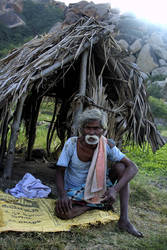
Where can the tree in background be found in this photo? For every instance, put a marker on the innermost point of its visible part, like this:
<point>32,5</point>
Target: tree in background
<point>39,19</point>
<point>158,107</point>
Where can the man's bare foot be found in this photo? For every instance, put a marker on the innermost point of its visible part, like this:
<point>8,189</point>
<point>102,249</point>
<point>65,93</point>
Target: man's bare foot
<point>127,226</point>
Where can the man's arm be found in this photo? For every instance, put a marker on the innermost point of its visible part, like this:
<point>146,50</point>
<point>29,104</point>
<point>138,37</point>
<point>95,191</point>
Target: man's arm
<point>130,171</point>
<point>63,203</point>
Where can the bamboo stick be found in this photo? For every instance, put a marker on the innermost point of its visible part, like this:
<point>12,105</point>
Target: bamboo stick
<point>4,139</point>
<point>32,131</point>
<point>13,138</point>
<point>52,126</point>
<point>82,91</point>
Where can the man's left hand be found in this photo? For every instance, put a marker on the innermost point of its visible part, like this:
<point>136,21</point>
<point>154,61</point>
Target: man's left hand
<point>109,196</point>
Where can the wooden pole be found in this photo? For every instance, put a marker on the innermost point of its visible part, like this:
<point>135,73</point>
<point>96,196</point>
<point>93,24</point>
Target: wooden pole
<point>13,138</point>
<point>4,139</point>
<point>52,126</point>
<point>82,91</point>
<point>32,131</point>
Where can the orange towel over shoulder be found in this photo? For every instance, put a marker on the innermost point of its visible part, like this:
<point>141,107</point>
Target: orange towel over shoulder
<point>96,180</point>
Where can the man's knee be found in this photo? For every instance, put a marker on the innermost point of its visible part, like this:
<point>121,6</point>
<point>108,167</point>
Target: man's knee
<point>117,171</point>
<point>120,168</point>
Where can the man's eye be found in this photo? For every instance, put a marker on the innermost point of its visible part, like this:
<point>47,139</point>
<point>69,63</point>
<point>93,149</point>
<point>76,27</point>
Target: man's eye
<point>95,128</point>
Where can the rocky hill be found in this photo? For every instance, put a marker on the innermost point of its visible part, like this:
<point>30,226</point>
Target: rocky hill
<point>11,10</point>
<point>19,25</point>
<point>146,44</point>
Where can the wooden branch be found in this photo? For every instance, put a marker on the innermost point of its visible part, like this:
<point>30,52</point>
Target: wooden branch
<point>116,68</point>
<point>57,65</point>
<point>32,132</point>
<point>82,91</point>
<point>52,126</point>
<point>4,138</point>
<point>13,138</point>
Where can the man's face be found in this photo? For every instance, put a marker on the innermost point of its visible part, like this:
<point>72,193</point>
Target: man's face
<point>92,132</point>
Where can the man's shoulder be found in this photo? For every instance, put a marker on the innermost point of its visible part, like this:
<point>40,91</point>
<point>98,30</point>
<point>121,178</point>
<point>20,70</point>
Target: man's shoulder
<point>111,143</point>
<point>71,142</point>
<point>72,139</point>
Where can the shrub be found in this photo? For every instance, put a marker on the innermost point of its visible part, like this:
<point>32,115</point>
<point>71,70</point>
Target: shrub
<point>158,107</point>
<point>39,19</point>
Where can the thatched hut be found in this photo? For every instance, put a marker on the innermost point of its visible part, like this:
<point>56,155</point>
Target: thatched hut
<point>80,66</point>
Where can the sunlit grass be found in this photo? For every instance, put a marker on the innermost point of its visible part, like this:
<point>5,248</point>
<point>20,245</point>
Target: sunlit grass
<point>164,133</point>
<point>148,161</point>
<point>163,130</point>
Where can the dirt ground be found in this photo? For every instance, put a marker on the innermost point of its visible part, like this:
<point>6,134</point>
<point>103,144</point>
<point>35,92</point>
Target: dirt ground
<point>39,168</point>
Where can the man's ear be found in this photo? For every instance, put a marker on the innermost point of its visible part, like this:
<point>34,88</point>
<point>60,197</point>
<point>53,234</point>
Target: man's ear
<point>105,132</point>
<point>79,133</point>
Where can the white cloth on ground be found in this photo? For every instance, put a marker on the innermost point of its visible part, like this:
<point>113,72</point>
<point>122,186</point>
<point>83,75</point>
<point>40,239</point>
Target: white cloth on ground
<point>29,187</point>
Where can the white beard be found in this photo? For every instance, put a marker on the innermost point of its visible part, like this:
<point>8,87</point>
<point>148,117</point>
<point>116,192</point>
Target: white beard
<point>92,139</point>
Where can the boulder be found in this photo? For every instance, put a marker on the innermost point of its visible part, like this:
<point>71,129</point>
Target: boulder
<point>131,58</point>
<point>162,62</point>
<point>160,71</point>
<point>161,84</point>
<point>123,44</point>
<point>145,60</point>
<point>60,5</point>
<point>56,28</point>
<point>112,19</point>
<point>161,52</point>
<point>71,17</point>
<point>156,39</point>
<point>100,12</point>
<point>158,45</point>
<point>136,46</point>
<point>11,19</point>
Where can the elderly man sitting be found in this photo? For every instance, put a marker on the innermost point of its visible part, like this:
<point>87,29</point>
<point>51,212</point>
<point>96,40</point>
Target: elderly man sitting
<point>82,178</point>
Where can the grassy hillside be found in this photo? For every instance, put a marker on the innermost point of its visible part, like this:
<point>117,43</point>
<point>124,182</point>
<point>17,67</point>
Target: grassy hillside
<point>38,18</point>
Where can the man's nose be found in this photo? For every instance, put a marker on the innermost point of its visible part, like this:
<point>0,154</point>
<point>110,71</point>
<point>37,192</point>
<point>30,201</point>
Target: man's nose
<point>92,131</point>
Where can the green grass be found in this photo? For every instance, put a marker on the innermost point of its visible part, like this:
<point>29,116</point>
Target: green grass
<point>163,130</point>
<point>45,116</point>
<point>147,161</point>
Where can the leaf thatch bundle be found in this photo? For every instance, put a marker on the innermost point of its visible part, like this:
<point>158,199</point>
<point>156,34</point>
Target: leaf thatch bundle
<point>50,65</point>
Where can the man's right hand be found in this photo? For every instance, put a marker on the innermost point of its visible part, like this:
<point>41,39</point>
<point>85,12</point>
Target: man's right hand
<point>63,205</point>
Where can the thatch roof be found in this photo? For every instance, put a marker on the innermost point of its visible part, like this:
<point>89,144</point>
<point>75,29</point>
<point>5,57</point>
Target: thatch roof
<point>50,65</point>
